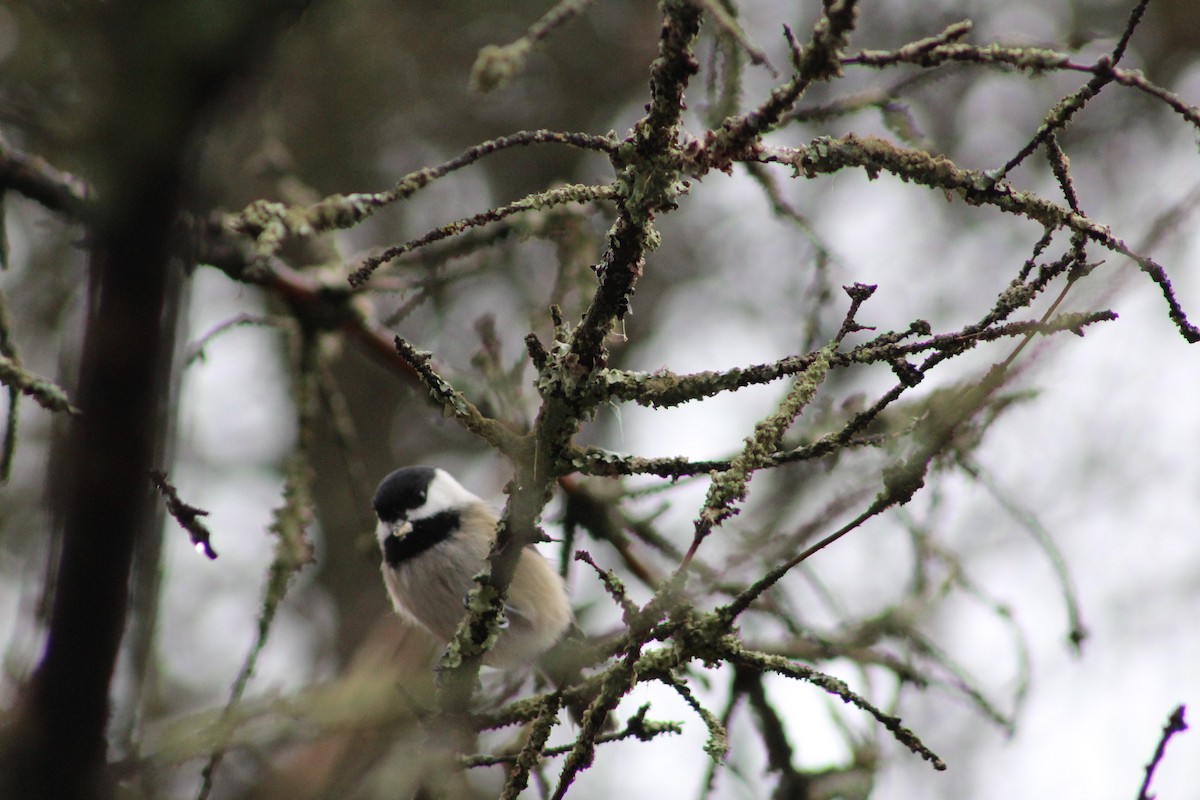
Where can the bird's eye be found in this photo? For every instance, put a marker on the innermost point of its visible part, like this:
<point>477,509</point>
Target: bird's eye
<point>421,498</point>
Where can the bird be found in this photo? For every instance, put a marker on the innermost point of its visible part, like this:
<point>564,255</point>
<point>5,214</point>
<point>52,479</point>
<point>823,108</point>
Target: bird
<point>435,536</point>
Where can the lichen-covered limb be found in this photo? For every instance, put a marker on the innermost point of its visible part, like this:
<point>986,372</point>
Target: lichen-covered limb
<point>573,193</point>
<point>1134,79</point>
<point>731,486</point>
<point>1060,116</point>
<point>618,679</point>
<point>48,394</point>
<point>933,435</point>
<point>33,177</point>
<point>662,389</point>
<point>1033,60</point>
<point>601,462</point>
<point>707,637</point>
<point>291,522</point>
<point>18,379</point>
<point>650,178</point>
<point>453,402</point>
<point>820,59</point>
<point>637,727</point>
<point>826,155</point>
<point>497,65</point>
<point>945,48</point>
<point>790,669</point>
<point>270,223</point>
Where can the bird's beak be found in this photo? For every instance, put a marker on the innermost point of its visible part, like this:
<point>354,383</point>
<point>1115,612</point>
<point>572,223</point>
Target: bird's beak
<point>400,528</point>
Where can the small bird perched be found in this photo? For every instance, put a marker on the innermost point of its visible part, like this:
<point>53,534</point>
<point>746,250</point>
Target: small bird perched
<point>435,537</point>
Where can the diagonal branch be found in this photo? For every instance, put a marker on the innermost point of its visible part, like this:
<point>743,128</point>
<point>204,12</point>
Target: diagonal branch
<point>819,60</point>
<point>827,155</point>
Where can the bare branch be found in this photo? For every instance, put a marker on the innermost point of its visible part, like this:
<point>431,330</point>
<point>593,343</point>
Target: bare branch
<point>187,516</point>
<point>1175,724</point>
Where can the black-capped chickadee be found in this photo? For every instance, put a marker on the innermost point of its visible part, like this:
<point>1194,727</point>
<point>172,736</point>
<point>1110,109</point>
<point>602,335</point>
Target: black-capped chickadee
<point>435,537</point>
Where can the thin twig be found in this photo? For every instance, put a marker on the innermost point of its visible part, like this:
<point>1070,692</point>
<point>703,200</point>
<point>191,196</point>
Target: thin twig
<point>187,516</point>
<point>1175,724</point>
<point>497,65</point>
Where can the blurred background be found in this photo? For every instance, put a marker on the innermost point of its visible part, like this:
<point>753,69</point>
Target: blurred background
<point>1095,449</point>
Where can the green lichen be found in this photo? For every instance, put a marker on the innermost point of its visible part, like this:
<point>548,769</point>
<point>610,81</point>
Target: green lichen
<point>46,393</point>
<point>731,486</point>
<point>497,65</point>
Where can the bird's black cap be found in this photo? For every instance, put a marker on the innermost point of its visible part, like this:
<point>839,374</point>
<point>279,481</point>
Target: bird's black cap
<point>402,491</point>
